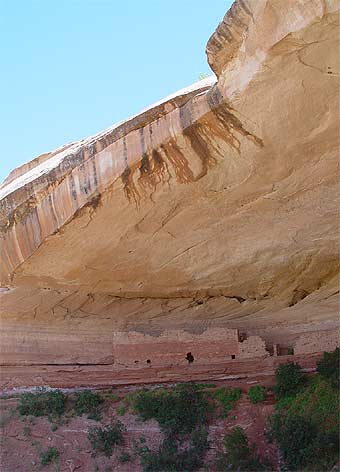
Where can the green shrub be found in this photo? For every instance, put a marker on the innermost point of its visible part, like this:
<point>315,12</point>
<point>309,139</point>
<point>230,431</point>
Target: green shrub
<point>318,401</point>
<point>227,397</point>
<point>257,394</point>
<point>169,458</point>
<point>42,403</point>
<point>238,454</point>
<point>122,410</point>
<point>110,395</point>
<point>181,412</point>
<point>178,410</point>
<point>124,457</point>
<point>164,459</point>
<point>289,379</point>
<point>104,439</point>
<point>87,402</point>
<point>95,415</point>
<point>295,436</point>
<point>49,456</point>
<point>305,426</point>
<point>205,385</point>
<point>237,447</point>
<point>329,367</point>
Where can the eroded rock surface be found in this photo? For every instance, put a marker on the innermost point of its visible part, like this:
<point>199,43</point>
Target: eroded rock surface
<point>217,207</point>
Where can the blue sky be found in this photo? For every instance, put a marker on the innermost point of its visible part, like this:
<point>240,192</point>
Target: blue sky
<point>70,68</point>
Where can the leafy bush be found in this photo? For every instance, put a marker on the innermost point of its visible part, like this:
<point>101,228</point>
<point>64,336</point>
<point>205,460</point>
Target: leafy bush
<point>205,385</point>
<point>257,394</point>
<point>42,403</point>
<point>164,459</point>
<point>122,410</point>
<point>329,367</point>
<point>104,439</point>
<point>178,411</point>
<point>238,454</point>
<point>181,412</point>
<point>227,397</point>
<point>124,457</point>
<point>295,436</point>
<point>318,401</point>
<point>51,455</point>
<point>110,395</point>
<point>95,415</point>
<point>289,379</point>
<point>237,447</point>
<point>169,458</point>
<point>88,402</point>
<point>306,426</point>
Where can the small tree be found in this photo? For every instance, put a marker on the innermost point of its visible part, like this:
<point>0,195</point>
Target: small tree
<point>239,454</point>
<point>49,456</point>
<point>289,378</point>
<point>87,402</point>
<point>237,446</point>
<point>329,367</point>
<point>295,436</point>
<point>42,403</point>
<point>103,440</point>
<point>257,394</point>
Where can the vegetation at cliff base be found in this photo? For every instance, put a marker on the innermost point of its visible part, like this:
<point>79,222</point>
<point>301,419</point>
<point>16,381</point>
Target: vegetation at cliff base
<point>178,410</point>
<point>329,367</point>
<point>289,379</point>
<point>103,440</point>
<point>257,394</point>
<point>226,398</point>
<point>88,402</point>
<point>238,454</point>
<point>42,403</point>
<point>169,457</point>
<point>182,413</point>
<point>49,456</point>
<point>305,424</point>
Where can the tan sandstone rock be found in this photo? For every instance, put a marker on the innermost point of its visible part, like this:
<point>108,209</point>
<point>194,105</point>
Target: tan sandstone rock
<point>215,208</point>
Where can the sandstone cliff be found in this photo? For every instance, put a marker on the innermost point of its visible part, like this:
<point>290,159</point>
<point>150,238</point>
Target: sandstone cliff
<point>216,207</point>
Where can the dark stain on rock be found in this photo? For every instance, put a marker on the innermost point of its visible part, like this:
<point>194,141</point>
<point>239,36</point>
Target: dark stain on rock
<point>160,167</point>
<point>130,189</point>
<point>153,170</point>
<point>94,169</point>
<point>73,188</point>
<point>95,202</point>
<point>185,115</point>
<point>92,204</point>
<point>298,295</point>
<point>50,204</point>
<point>224,124</point>
<point>142,139</point>
<point>125,151</point>
<point>233,124</point>
<point>144,167</point>
<point>178,162</point>
<point>196,135</point>
<point>151,133</point>
<point>214,97</point>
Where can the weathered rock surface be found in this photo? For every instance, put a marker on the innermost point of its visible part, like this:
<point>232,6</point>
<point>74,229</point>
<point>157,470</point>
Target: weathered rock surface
<point>217,207</point>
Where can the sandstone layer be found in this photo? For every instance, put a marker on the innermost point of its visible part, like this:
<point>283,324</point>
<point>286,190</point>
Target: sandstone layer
<point>216,208</point>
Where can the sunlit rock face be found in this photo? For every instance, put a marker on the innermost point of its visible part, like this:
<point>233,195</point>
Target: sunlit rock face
<point>216,207</point>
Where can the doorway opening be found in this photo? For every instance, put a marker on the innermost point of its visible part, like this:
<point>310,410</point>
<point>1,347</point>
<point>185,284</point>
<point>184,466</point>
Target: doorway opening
<point>190,357</point>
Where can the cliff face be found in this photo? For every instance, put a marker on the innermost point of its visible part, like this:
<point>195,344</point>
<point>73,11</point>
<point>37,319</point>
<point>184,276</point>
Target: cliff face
<point>215,207</point>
